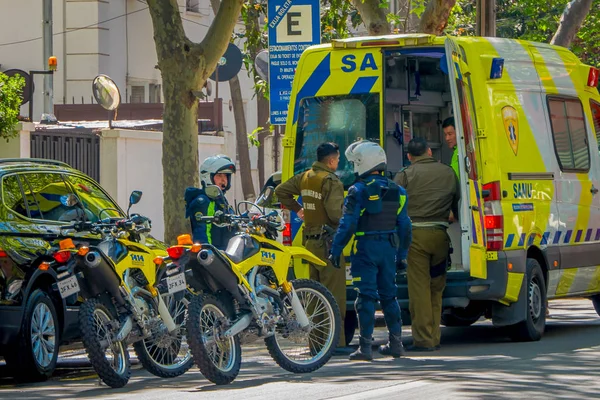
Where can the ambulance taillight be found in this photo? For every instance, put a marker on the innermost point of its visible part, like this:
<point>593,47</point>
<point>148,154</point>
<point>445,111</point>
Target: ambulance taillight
<point>593,77</point>
<point>494,220</point>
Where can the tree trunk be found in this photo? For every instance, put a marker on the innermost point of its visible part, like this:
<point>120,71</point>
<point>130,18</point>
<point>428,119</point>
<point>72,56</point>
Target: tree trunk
<point>184,67</point>
<point>373,16</point>
<point>262,112</point>
<point>435,17</point>
<point>241,138</point>
<point>180,151</point>
<point>570,22</point>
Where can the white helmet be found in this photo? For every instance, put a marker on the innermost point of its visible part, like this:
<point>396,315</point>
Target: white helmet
<point>366,157</point>
<point>219,164</point>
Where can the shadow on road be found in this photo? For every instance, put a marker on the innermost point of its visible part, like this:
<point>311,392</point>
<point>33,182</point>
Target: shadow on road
<point>486,363</point>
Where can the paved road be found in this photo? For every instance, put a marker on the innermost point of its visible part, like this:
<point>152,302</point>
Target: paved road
<point>474,363</point>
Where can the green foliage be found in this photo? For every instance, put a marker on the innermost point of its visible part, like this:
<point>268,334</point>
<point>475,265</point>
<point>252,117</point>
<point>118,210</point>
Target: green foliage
<point>535,20</point>
<point>253,136</point>
<point>10,102</point>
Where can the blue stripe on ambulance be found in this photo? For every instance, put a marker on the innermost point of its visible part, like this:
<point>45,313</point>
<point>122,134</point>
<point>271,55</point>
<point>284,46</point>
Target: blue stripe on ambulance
<point>364,84</point>
<point>545,238</point>
<point>314,82</point>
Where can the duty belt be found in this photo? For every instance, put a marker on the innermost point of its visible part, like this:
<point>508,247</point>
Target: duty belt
<point>379,236</point>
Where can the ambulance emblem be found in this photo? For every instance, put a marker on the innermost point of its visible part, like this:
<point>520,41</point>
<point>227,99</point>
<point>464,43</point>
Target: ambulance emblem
<point>511,127</point>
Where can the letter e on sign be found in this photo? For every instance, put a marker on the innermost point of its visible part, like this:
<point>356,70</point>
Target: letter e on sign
<point>296,25</point>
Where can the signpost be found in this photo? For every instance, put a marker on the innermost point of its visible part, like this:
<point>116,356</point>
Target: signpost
<point>294,25</point>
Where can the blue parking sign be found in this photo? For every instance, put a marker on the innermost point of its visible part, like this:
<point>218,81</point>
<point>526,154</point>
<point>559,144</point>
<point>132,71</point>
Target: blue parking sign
<point>294,25</point>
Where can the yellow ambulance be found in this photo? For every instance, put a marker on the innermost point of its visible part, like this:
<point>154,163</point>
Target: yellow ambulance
<point>527,118</point>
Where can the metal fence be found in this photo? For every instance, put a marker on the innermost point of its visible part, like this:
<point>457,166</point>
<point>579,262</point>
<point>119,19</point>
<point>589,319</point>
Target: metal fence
<point>80,148</point>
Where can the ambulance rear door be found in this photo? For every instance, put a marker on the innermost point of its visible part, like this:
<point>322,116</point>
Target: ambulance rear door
<point>471,216</point>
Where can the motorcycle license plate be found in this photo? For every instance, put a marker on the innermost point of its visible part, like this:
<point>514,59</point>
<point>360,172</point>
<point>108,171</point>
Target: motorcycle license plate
<point>176,283</point>
<point>68,287</point>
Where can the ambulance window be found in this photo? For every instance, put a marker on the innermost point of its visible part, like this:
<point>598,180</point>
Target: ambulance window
<point>339,119</point>
<point>569,134</point>
<point>596,117</point>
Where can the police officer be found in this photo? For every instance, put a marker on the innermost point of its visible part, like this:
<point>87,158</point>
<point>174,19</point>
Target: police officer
<point>215,170</point>
<point>450,138</point>
<point>375,212</point>
<point>323,196</point>
<point>432,189</point>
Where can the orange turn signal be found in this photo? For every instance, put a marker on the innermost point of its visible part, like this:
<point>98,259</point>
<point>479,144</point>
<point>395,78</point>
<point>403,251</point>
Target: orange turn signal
<point>184,240</point>
<point>510,266</point>
<point>158,260</point>
<point>44,266</point>
<point>83,250</point>
<point>196,247</point>
<point>66,244</point>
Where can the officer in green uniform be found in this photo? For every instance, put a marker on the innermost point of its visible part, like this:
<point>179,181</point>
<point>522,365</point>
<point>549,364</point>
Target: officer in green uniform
<point>432,190</point>
<point>450,138</point>
<point>323,197</point>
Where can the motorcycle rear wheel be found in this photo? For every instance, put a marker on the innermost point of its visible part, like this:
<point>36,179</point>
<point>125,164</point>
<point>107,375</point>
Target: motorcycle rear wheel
<point>218,360</point>
<point>167,355</point>
<point>114,370</point>
<point>300,351</point>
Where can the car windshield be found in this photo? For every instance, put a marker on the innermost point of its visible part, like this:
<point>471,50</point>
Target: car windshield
<point>338,119</point>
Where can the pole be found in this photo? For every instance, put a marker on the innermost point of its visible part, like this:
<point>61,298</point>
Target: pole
<point>486,18</point>
<point>47,36</point>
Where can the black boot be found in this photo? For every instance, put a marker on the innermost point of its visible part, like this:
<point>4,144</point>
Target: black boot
<point>364,352</point>
<point>394,347</point>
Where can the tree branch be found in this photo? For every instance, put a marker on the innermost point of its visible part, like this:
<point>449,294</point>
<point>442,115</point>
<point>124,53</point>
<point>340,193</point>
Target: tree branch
<point>373,16</point>
<point>169,35</point>
<point>435,17</point>
<point>570,22</point>
<point>219,33</point>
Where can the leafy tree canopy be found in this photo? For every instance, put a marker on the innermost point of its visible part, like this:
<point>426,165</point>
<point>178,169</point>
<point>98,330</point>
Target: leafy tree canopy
<point>10,102</point>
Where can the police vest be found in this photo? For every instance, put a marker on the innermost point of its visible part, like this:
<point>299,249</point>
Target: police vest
<point>382,207</point>
<point>312,200</point>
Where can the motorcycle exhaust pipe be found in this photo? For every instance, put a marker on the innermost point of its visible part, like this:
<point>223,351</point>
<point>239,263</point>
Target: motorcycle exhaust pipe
<point>101,276</point>
<point>220,271</point>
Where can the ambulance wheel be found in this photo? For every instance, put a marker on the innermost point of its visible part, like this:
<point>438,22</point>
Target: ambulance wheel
<point>532,328</point>
<point>350,325</point>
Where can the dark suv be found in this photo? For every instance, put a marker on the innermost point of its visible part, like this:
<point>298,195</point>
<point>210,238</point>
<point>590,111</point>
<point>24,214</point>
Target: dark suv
<point>34,319</point>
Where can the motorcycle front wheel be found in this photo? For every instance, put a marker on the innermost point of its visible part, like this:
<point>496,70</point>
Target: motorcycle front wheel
<point>302,350</point>
<point>165,354</point>
<point>219,359</point>
<point>109,359</point>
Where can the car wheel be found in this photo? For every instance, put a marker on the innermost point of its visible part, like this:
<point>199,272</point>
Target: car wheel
<point>36,353</point>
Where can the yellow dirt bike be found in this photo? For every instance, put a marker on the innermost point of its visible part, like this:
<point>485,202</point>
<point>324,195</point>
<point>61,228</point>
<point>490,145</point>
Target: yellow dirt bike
<point>127,298</point>
<point>244,294</point>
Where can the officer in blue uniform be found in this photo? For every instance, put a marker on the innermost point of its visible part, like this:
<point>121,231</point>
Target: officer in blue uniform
<point>375,212</point>
<point>216,170</point>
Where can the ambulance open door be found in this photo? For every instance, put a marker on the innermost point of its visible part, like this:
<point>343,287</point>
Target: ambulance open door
<point>471,206</point>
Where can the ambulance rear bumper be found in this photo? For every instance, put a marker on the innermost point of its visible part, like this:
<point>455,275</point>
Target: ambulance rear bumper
<point>461,288</point>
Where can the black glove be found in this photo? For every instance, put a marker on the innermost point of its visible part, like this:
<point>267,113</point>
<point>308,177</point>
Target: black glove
<point>335,260</point>
<point>401,265</point>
